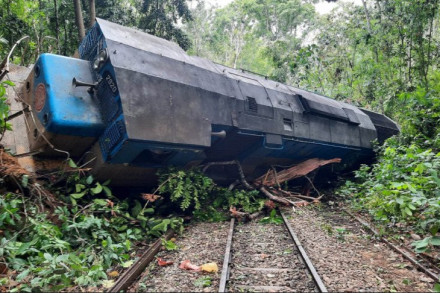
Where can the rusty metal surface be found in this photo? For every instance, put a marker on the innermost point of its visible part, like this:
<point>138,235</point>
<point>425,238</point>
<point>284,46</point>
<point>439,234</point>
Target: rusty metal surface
<point>306,259</point>
<point>225,270</point>
<point>138,267</point>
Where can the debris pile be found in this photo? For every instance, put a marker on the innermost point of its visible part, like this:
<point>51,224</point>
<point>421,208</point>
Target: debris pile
<point>270,185</point>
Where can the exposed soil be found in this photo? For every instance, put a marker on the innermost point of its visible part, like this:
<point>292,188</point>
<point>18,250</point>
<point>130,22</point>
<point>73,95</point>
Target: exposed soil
<point>264,258</point>
<point>348,259</point>
<point>200,243</point>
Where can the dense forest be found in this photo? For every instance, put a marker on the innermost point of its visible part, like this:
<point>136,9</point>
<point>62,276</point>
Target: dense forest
<point>382,55</point>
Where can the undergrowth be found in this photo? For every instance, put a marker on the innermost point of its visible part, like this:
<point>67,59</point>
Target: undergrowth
<point>73,243</point>
<point>402,189</point>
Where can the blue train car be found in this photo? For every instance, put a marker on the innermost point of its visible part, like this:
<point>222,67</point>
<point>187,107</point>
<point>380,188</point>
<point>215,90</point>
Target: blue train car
<point>134,103</point>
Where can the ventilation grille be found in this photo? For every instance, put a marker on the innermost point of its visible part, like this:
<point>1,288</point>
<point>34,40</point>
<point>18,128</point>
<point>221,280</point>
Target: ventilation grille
<point>252,105</point>
<point>108,105</point>
<point>91,44</point>
<point>112,136</point>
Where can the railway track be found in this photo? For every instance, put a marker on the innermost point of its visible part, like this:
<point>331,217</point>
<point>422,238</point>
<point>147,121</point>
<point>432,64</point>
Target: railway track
<point>267,258</point>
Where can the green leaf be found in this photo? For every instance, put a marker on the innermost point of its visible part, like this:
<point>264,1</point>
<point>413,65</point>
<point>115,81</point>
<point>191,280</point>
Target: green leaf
<point>203,282</point>
<point>78,195</point>
<point>128,264</point>
<point>24,181</point>
<point>107,191</point>
<point>149,211</point>
<point>437,287</point>
<point>8,82</point>
<point>100,202</point>
<point>72,164</point>
<point>435,240</point>
<point>136,209</point>
<point>97,189</point>
<point>22,275</point>
<point>47,256</point>
<point>79,187</point>
<point>89,179</point>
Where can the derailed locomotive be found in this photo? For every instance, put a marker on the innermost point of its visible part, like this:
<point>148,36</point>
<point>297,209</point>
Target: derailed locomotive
<point>133,103</point>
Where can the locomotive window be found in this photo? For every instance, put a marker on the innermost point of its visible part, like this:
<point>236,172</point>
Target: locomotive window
<point>288,125</point>
<point>252,104</point>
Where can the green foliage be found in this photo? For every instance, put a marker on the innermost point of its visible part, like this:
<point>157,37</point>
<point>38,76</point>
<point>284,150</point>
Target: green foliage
<point>194,191</point>
<point>210,214</point>
<point>169,245</point>
<point>204,281</point>
<point>75,244</point>
<point>402,187</point>
<point>4,107</point>
<point>248,201</point>
<point>187,187</point>
<point>272,219</point>
<point>425,244</point>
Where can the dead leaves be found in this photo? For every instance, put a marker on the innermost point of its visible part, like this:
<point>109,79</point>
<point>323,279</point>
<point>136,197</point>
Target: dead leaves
<point>150,197</point>
<point>269,204</point>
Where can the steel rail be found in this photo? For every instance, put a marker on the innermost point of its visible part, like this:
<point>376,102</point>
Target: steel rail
<point>428,272</point>
<point>306,259</point>
<point>130,275</point>
<point>225,269</point>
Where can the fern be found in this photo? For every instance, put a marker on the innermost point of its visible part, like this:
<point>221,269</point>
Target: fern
<point>187,188</point>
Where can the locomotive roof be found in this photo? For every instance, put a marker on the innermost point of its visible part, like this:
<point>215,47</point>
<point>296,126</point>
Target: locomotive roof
<point>145,42</point>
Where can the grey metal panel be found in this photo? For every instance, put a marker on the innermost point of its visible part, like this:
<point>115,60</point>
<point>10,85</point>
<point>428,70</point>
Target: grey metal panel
<point>301,126</point>
<point>159,110</point>
<point>154,64</point>
<point>320,128</point>
<point>146,42</point>
<point>256,99</point>
<point>345,133</point>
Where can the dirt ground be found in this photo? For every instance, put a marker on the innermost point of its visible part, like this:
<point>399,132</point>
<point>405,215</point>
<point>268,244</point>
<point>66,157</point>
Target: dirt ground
<point>348,259</point>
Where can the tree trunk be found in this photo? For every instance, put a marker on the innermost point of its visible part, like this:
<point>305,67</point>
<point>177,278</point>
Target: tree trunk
<point>57,26</point>
<point>92,13</point>
<point>79,19</point>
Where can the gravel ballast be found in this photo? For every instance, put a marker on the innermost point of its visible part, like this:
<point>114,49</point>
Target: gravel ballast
<point>348,259</point>
<point>265,259</point>
<point>200,243</point>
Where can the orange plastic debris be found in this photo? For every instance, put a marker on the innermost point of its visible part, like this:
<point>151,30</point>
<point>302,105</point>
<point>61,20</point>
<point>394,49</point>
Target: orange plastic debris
<point>163,263</point>
<point>187,265</point>
<point>210,267</point>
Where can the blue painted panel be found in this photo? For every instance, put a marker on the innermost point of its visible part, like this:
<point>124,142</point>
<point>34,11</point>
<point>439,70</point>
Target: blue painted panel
<point>67,110</point>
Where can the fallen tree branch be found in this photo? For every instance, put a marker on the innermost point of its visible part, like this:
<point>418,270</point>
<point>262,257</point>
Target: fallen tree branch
<point>240,171</point>
<point>275,198</point>
<point>300,195</point>
<point>299,170</point>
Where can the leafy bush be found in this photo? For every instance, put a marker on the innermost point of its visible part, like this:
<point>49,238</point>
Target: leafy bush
<point>194,191</point>
<point>75,243</point>
<point>247,201</point>
<point>402,187</point>
<point>187,187</point>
